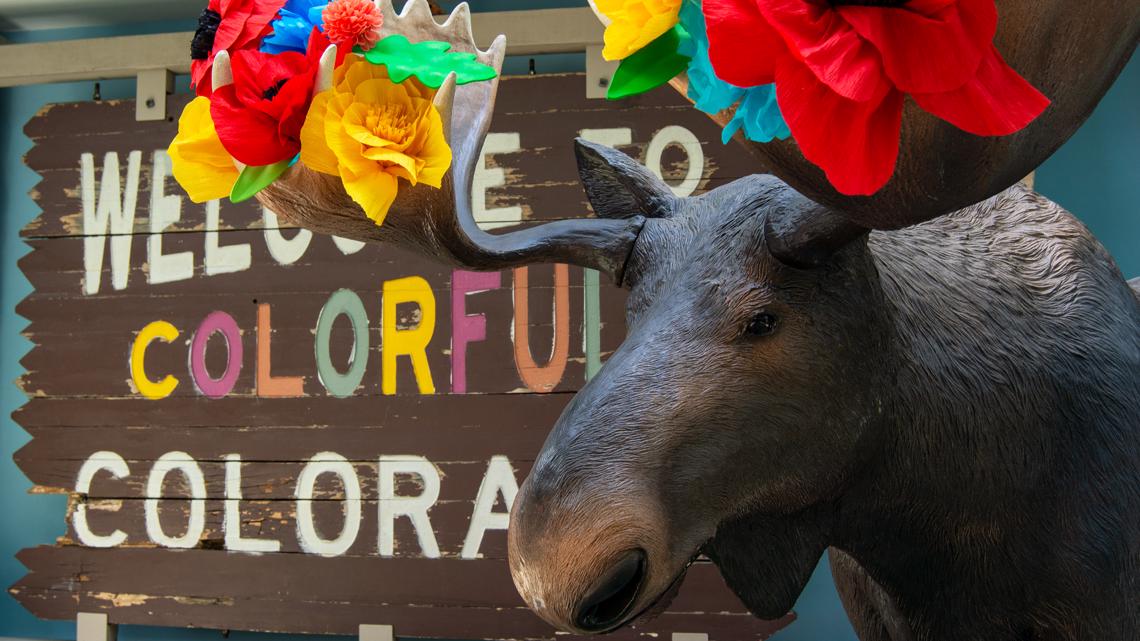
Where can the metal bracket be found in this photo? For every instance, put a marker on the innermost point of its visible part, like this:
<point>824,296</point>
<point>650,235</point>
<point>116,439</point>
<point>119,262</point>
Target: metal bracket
<point>689,636</point>
<point>369,632</point>
<point>90,626</point>
<point>599,72</point>
<point>152,86</point>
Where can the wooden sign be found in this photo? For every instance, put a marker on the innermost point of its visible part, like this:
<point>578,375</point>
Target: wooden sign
<point>260,428</point>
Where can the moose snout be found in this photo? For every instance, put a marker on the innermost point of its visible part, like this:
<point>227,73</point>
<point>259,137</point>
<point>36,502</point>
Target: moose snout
<point>585,558</point>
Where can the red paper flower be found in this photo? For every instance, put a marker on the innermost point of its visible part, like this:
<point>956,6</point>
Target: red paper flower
<point>259,117</point>
<point>841,71</point>
<point>228,25</point>
<point>350,23</point>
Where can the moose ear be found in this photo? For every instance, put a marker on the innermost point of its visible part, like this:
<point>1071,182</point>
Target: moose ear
<point>619,186</point>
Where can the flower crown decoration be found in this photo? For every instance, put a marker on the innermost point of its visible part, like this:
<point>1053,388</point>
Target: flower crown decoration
<point>833,74</point>
<point>279,81</point>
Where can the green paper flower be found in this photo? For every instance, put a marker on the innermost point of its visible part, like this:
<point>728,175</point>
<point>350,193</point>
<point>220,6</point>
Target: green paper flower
<point>429,61</point>
<point>651,66</point>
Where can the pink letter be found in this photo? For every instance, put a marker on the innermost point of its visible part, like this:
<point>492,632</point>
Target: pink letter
<point>467,328</point>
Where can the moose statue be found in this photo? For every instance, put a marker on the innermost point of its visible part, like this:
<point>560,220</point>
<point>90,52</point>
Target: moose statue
<point>941,385</point>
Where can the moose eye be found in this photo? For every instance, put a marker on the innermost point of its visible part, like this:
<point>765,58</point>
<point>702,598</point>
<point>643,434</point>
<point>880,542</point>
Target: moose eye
<point>761,324</point>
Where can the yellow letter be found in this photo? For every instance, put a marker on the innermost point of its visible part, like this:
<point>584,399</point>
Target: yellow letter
<point>412,342</point>
<point>154,331</point>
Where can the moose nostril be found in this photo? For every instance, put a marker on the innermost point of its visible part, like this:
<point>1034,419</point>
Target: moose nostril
<point>612,596</point>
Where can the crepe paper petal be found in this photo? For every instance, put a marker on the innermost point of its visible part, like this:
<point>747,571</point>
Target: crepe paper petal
<point>997,102</point>
<point>228,25</point>
<point>633,24</point>
<point>401,130</point>
<point>708,93</point>
<point>253,179</point>
<point>928,46</point>
<point>260,115</point>
<point>855,143</point>
<point>199,162</point>
<point>293,25</point>
<point>353,23</point>
<point>836,53</point>
<point>429,61</point>
<point>758,114</point>
<point>653,66</point>
<point>743,47</point>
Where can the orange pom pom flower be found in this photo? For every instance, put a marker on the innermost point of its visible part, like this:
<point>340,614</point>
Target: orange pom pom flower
<point>352,23</point>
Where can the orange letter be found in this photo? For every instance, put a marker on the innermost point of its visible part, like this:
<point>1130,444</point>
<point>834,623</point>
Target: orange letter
<point>542,379</point>
<point>269,385</point>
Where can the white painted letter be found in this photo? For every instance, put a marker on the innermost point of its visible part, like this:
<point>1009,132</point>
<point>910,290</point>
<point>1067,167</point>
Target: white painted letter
<point>414,507</point>
<point>97,462</point>
<point>285,251</point>
<point>307,535</point>
<point>611,136</point>
<point>114,212</point>
<point>222,260</point>
<point>486,178</point>
<point>231,522</point>
<point>500,478</point>
<point>164,211</point>
<point>165,464</point>
<point>348,246</point>
<point>677,135</point>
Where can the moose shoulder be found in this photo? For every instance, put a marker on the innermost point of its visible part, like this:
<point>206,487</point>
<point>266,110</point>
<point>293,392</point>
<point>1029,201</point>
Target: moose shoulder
<point>954,406</point>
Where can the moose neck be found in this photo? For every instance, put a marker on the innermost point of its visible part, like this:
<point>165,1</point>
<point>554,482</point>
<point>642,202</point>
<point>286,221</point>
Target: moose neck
<point>982,471</point>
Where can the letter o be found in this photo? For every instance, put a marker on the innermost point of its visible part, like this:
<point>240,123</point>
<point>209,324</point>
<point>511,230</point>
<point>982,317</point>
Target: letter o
<point>677,135</point>
<point>344,302</point>
<point>216,322</point>
<point>166,464</point>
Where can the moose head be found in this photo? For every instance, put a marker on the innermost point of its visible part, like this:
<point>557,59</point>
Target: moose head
<point>755,380</point>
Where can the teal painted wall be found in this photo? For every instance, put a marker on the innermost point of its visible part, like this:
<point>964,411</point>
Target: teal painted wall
<point>1096,175</point>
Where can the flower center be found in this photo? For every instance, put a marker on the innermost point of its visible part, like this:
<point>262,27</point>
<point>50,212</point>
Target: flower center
<point>272,91</point>
<point>868,3</point>
<point>390,122</point>
<point>203,42</point>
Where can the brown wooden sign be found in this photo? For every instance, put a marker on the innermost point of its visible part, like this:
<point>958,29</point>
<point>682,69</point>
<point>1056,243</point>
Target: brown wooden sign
<point>263,429</point>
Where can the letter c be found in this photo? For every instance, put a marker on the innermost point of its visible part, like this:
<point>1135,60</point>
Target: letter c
<point>158,330</point>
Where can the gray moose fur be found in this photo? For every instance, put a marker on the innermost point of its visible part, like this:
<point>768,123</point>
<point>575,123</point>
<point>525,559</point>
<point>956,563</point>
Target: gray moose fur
<point>953,408</point>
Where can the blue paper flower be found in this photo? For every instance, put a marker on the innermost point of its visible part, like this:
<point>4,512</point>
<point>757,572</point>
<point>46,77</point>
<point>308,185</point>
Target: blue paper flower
<point>293,26</point>
<point>758,114</point>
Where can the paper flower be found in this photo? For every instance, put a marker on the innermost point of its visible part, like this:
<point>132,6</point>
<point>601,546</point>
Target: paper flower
<point>293,25</point>
<point>758,114</point>
<point>371,132</point>
<point>635,23</point>
<point>200,163</point>
<point>227,25</point>
<point>429,61</point>
<point>353,23</point>
<point>259,117</point>
<point>841,72</point>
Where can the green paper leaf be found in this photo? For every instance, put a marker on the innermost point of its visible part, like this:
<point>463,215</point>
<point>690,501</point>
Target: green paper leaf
<point>651,66</point>
<point>430,61</point>
<point>254,179</point>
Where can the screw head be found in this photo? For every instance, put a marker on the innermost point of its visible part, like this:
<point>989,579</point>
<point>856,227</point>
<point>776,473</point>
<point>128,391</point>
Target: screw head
<point>150,103</point>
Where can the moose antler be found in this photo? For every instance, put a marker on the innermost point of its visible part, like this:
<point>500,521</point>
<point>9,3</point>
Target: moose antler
<point>439,222</point>
<point>1072,53</point>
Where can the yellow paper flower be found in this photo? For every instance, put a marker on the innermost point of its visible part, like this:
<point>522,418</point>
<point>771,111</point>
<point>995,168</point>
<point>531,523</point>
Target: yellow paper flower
<point>635,23</point>
<point>371,131</point>
<point>199,162</point>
